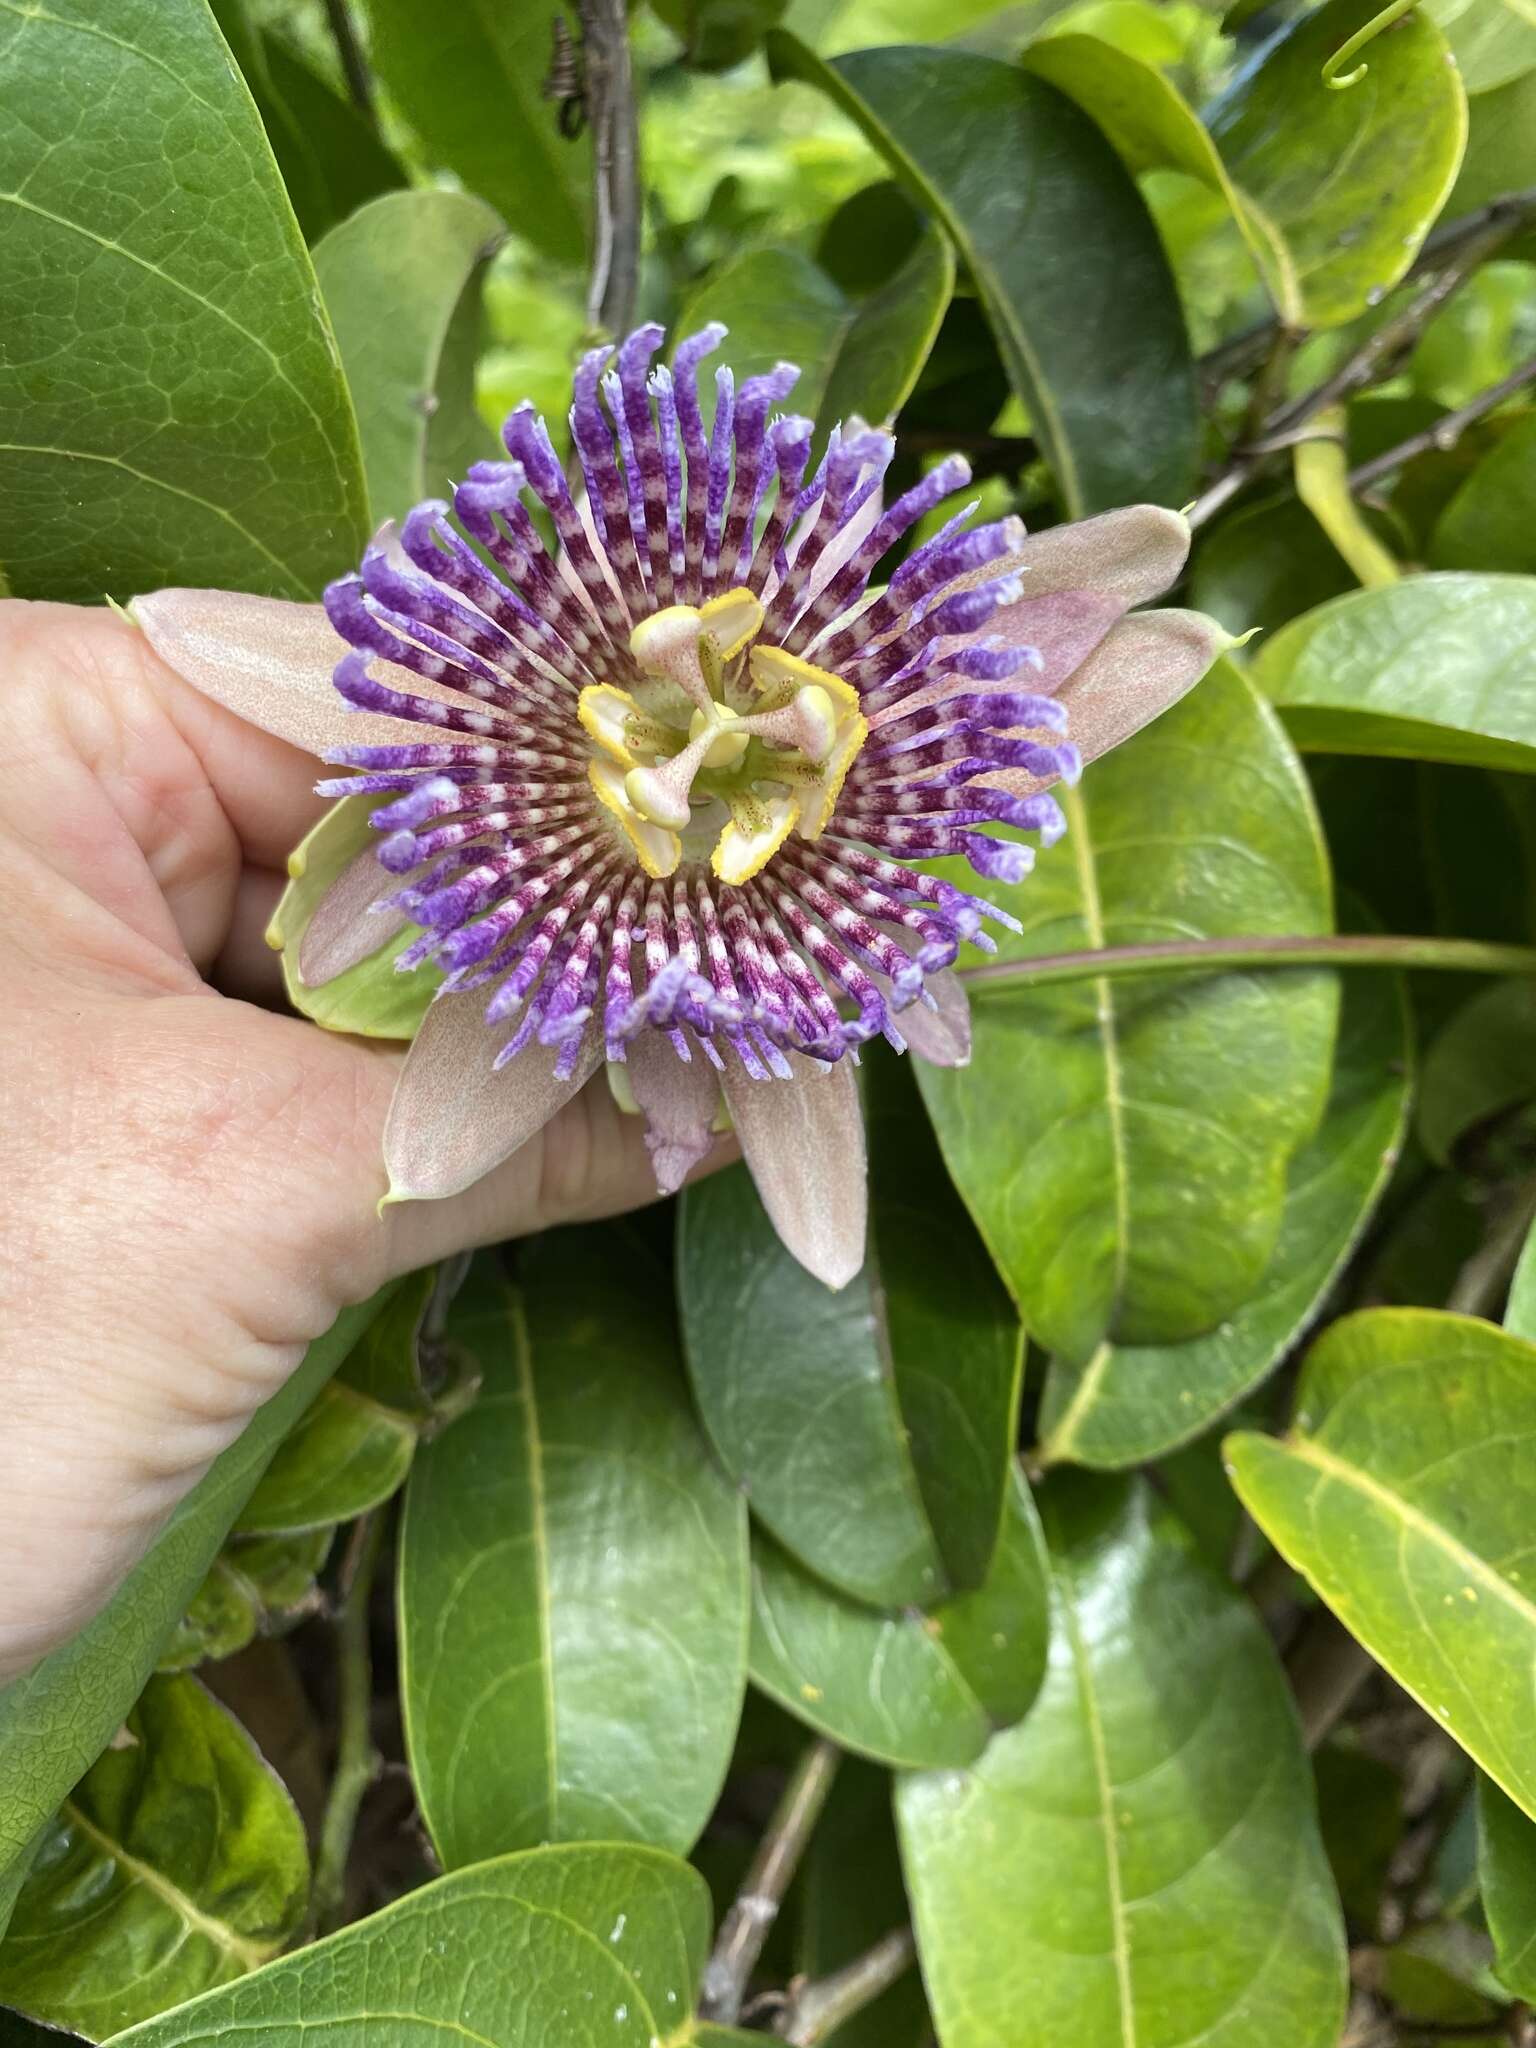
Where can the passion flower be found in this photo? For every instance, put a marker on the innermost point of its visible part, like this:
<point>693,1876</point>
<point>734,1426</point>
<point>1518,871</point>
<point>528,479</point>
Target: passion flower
<point>670,796</point>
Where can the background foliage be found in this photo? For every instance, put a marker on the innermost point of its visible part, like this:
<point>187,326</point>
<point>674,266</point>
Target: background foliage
<point>1112,1620</point>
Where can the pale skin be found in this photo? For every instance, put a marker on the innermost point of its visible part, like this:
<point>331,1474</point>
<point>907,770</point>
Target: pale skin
<point>191,1178</point>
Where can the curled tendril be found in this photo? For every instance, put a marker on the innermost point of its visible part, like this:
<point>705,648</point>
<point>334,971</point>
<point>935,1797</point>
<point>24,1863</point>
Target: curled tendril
<point>1334,75</point>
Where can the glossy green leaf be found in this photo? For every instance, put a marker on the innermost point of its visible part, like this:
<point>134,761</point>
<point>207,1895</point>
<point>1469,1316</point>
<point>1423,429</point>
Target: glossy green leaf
<point>394,276</point>
<point>1131,1403</point>
<point>1491,521</point>
<point>370,1000</point>
<point>1090,1110</point>
<point>1501,145</point>
<point>1520,1309</point>
<point>1439,668</point>
<point>857,354</point>
<point>564,1947</point>
<point>900,1393</point>
<point>850,1893</point>
<point>256,1585</point>
<point>1493,41</point>
<point>1405,1493</point>
<point>1061,249</point>
<point>1506,1869</point>
<point>468,81</point>
<point>351,1449</point>
<point>1264,566</point>
<point>328,152</point>
<point>56,1720</point>
<point>1482,1061</point>
<point>573,1572</point>
<point>1349,181</point>
<point>1138,1861</point>
<point>177,1863</point>
<point>915,1688</point>
<point>171,405</point>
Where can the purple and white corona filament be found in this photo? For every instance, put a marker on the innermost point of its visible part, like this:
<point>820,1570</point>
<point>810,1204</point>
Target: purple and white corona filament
<point>685,782</point>
<point>672,796</point>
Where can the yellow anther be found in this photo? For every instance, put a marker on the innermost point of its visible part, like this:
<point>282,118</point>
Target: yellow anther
<point>605,712</point>
<point>772,669</point>
<point>820,801</point>
<point>759,827</point>
<point>731,620</point>
<point>657,850</point>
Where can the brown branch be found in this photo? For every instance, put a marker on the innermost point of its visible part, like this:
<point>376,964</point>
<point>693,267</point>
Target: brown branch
<point>1445,433</point>
<point>816,2009</point>
<point>1327,1667</point>
<point>349,51</point>
<point>610,98</point>
<point>746,1926</point>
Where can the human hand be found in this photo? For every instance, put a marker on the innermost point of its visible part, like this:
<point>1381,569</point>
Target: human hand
<point>192,1180</point>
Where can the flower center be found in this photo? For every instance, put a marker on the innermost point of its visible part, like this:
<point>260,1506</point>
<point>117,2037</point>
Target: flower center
<point>725,747</point>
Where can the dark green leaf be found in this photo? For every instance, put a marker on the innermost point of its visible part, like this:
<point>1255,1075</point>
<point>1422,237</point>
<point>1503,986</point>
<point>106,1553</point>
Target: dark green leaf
<point>394,277</point>
<point>566,1947</point>
<point>1061,249</point>
<point>850,1894</point>
<point>1405,1493</point>
<point>257,1585</point>
<point>856,354</point>
<point>1440,668</point>
<point>912,1688</point>
<point>1348,182</point>
<point>573,1573</point>
<point>1501,146</point>
<point>1264,566</point>
<point>171,407</point>
<point>719,34</point>
<point>1506,1868</point>
<point>330,155</point>
<point>1090,1110</point>
<point>353,1446</point>
<point>468,81</point>
<point>1520,1309</point>
<point>1139,1859</point>
<point>56,1721</point>
<point>1491,521</point>
<point>177,1863</point>
<point>1360,1804</point>
<point>899,1393</point>
<point>19,2032</point>
<point>1130,1404</point>
<point>1481,1062</point>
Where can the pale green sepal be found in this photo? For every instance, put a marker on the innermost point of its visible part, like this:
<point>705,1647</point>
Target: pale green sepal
<point>370,999</point>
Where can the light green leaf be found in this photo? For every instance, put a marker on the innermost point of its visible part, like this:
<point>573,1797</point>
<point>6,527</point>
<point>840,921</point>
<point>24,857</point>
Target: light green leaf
<point>173,408</point>
<point>856,354</point>
<point>619,1936</point>
<point>1491,521</point>
<point>1130,1404</point>
<point>1440,668</point>
<point>1493,41</point>
<point>915,1688</point>
<point>1405,1493</point>
<point>1482,1061</point>
<point>177,1863</point>
<point>1091,1109</point>
<point>395,276</point>
<point>1061,249</point>
<point>1138,1861</point>
<point>468,81</point>
<point>256,1585</point>
<point>900,1393</point>
<point>56,1720</point>
<point>573,1571</point>
<point>1520,1309</point>
<point>370,1000</point>
<point>1506,1870</point>
<point>1349,181</point>
<point>351,1449</point>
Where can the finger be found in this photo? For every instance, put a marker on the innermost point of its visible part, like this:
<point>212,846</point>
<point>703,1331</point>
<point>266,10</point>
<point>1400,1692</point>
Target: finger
<point>246,966</point>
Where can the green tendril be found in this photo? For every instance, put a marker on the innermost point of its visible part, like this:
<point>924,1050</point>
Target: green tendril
<point>1377,25</point>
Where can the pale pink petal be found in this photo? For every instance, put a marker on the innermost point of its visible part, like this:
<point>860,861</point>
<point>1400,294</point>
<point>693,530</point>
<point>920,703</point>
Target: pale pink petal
<point>942,1036</point>
<point>1147,663</point>
<point>453,1117</point>
<point>1132,555</point>
<point>344,928</point>
<point>680,1099</point>
<point>271,662</point>
<point>804,1141</point>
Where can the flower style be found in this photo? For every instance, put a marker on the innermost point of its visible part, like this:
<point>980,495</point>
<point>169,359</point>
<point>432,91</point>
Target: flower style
<point>671,796</point>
